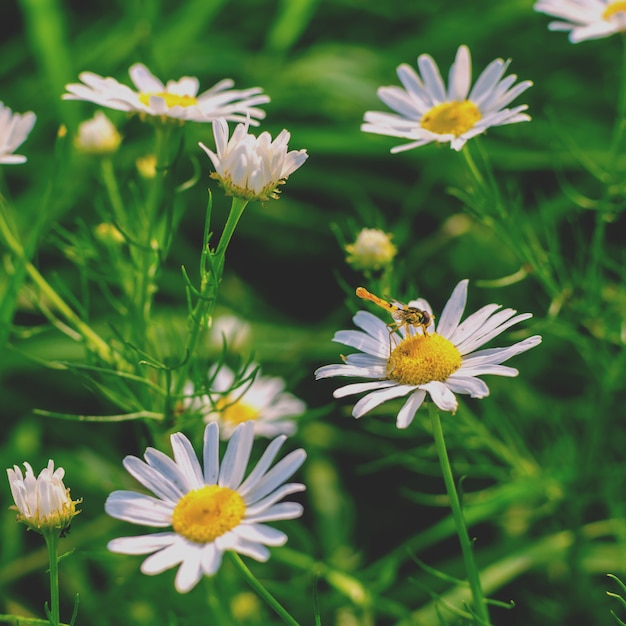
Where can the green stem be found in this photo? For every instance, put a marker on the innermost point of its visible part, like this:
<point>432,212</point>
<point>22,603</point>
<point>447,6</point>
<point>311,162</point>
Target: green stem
<point>113,191</point>
<point>210,279</point>
<point>480,606</point>
<point>52,541</point>
<point>262,591</point>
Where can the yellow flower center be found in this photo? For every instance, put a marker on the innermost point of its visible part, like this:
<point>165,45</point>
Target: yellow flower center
<point>612,9</point>
<point>236,412</point>
<point>204,514</point>
<point>420,359</point>
<point>171,99</point>
<point>453,118</point>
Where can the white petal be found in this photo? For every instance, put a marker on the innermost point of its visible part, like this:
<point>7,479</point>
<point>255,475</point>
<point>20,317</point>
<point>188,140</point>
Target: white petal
<point>152,479</point>
<point>211,454</point>
<point>261,467</point>
<point>462,383</point>
<point>142,544</point>
<point>256,506</point>
<point>453,310</point>
<point>186,459</point>
<point>260,533</point>
<point>211,558</point>
<point>441,395</point>
<point>235,461</point>
<point>138,508</point>
<point>460,75</point>
<point>349,390</point>
<point>189,573</point>
<point>410,407</point>
<point>280,511</point>
<point>282,471</point>
<point>375,398</point>
<point>167,558</point>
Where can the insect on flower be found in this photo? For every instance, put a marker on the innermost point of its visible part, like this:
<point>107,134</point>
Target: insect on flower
<point>404,316</point>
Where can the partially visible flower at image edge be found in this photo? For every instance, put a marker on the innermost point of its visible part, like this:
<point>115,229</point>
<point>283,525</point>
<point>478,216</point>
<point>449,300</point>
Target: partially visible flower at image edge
<point>252,167</point>
<point>178,99</point>
<point>211,509</point>
<point>585,19</point>
<point>14,129</point>
<point>440,362</point>
<point>372,250</point>
<point>425,111</point>
<point>43,502</point>
<point>261,400</point>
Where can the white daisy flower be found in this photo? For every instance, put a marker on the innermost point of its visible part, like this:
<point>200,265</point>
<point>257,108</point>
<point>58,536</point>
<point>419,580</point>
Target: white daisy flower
<point>210,510</point>
<point>14,129</point>
<point>43,502</point>
<point>177,99</point>
<point>426,111</point>
<point>259,399</point>
<point>252,167</point>
<point>585,19</point>
<point>414,362</point>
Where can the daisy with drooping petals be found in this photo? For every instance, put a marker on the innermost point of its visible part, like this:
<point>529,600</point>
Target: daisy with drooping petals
<point>439,362</point>
<point>177,99</point>
<point>14,129</point>
<point>261,400</point>
<point>585,19</point>
<point>211,510</point>
<point>426,111</point>
<point>43,502</point>
<point>252,167</point>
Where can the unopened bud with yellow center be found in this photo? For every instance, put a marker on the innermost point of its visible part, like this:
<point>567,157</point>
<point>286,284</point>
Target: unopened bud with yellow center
<point>146,166</point>
<point>43,503</point>
<point>108,234</point>
<point>204,514</point>
<point>372,250</point>
<point>421,359</point>
<point>97,136</point>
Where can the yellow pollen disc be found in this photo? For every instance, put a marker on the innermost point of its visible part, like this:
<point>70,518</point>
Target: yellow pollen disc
<point>453,118</point>
<point>613,8</point>
<point>420,359</point>
<point>204,514</point>
<point>171,99</point>
<point>236,412</point>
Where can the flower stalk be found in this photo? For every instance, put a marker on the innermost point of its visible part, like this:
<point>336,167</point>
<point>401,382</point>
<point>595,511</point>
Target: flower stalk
<point>267,597</point>
<point>480,606</point>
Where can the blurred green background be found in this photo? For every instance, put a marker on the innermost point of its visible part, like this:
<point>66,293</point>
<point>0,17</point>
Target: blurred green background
<point>372,490</point>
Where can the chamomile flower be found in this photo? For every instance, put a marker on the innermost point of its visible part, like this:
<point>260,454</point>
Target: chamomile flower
<point>415,362</point>
<point>585,19</point>
<point>14,129</point>
<point>259,399</point>
<point>426,111</point>
<point>252,167</point>
<point>177,99</point>
<point>43,503</point>
<point>210,510</point>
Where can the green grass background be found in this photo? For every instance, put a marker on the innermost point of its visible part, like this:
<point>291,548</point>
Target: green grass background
<point>543,456</point>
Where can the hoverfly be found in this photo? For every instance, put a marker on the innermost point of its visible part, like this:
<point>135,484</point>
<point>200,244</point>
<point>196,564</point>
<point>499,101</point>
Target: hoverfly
<point>404,316</point>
